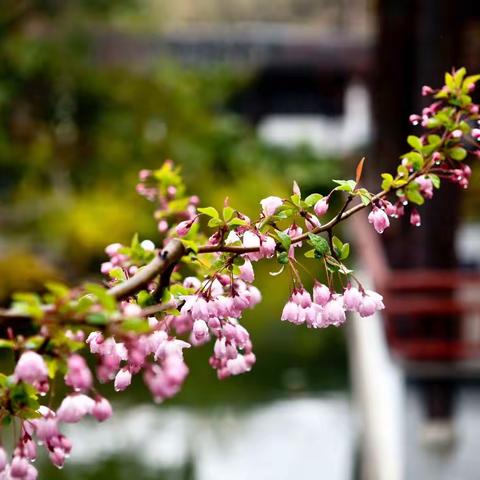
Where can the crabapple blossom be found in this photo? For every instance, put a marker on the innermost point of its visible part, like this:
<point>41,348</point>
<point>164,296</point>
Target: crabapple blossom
<point>379,219</point>
<point>101,410</point>
<point>321,207</point>
<point>78,375</point>
<point>415,218</point>
<point>31,368</point>
<point>270,205</point>
<point>122,379</point>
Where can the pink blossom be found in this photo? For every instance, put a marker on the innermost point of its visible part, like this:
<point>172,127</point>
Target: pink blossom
<point>426,90</point>
<point>57,457</point>
<point>352,298</point>
<point>302,298</point>
<point>267,246</point>
<point>31,368</point>
<point>200,309</point>
<point>334,314</point>
<point>78,375</point>
<point>270,205</point>
<point>415,218</point>
<point>321,294</point>
<point>371,302</point>
<point>132,310</point>
<point>457,133</point>
<point>106,267</point>
<point>112,249</point>
<point>414,119</point>
<point>321,207</point>
<point>238,365</point>
<point>367,306</point>
<point>162,226</point>
<point>290,312</point>
<point>102,410</point>
<point>296,189</point>
<point>379,219</point>
<point>18,467</point>
<point>246,271</point>
<point>122,380</point>
<point>74,407</point>
<point>95,340</point>
<point>200,330</point>
<point>183,227</point>
<point>476,134</point>
<point>251,240</point>
<point>426,186</point>
<point>29,450</point>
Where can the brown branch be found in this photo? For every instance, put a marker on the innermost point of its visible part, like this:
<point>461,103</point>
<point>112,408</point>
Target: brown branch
<point>168,257</point>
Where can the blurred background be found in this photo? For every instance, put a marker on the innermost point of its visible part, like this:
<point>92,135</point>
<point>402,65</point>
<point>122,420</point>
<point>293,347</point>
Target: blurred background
<point>247,96</point>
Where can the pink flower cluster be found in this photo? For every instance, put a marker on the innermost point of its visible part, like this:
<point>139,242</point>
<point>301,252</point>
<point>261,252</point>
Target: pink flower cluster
<point>157,354</point>
<point>214,311</point>
<point>328,308</point>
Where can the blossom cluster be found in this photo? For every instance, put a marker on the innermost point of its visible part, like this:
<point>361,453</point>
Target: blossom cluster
<point>138,324</point>
<point>326,308</point>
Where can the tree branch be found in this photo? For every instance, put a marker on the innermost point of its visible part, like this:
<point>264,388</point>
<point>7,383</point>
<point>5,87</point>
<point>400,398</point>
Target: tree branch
<point>168,257</point>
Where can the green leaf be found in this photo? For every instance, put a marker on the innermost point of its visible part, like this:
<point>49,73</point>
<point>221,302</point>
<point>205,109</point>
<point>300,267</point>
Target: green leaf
<point>235,222</point>
<point>345,252</point>
<point>458,77</point>
<point>117,273</point>
<point>312,199</point>
<point>435,179</point>
<point>319,243</point>
<point>52,367</point>
<point>337,244</point>
<point>413,194</point>
<point>345,185</point>
<point>59,290</point>
<point>144,298</point>
<point>210,211</point>
<point>457,153</point>
<point>415,142</point>
<point>285,240</point>
<point>387,181</point>
<point>449,81</point>
<point>215,222</point>
<point>470,80</point>
<point>228,213</point>
<point>296,200</point>
<point>415,158</point>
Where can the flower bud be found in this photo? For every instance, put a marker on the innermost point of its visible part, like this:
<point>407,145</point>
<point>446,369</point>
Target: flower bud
<point>415,218</point>
<point>321,207</point>
<point>31,368</point>
<point>321,294</point>
<point>379,219</point>
<point>102,410</point>
<point>183,227</point>
<point>122,380</point>
<point>270,205</point>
